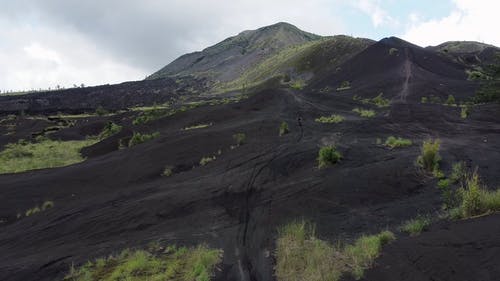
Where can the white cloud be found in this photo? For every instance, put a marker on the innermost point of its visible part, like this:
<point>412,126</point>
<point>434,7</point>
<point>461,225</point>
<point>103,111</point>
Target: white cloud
<point>475,20</point>
<point>378,15</point>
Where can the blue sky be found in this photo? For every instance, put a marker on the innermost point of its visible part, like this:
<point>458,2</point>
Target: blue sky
<point>65,42</point>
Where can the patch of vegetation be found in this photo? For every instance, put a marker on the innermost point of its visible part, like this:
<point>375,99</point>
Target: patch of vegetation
<point>199,126</point>
<point>138,138</point>
<point>328,155</point>
<point>300,255</point>
<point>240,138</point>
<point>379,101</point>
<point>334,118</point>
<point>24,156</point>
<point>172,263</point>
<point>476,199</point>
<point>475,75</point>
<point>364,112</point>
<point>393,51</point>
<point>109,130</point>
<point>298,84</point>
<point>416,226</point>
<point>205,160</point>
<point>345,85</point>
<point>424,100</point>
<point>45,206</point>
<point>167,172</point>
<point>458,172</point>
<point>450,100</point>
<point>150,115</point>
<point>100,111</point>
<point>465,111</point>
<point>394,142</point>
<point>429,158</point>
<point>284,128</point>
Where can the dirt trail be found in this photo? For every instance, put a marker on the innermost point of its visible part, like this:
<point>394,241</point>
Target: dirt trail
<point>407,70</point>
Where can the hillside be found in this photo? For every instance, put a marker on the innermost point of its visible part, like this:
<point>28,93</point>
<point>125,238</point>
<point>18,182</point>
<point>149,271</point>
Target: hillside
<point>333,158</point>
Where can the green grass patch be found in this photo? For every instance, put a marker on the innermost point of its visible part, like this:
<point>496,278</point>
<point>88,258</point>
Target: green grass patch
<point>45,206</point>
<point>300,255</point>
<point>364,112</point>
<point>328,155</point>
<point>416,226</point>
<point>173,263</point>
<point>394,142</point>
<point>138,138</point>
<point>334,118</point>
<point>24,156</point>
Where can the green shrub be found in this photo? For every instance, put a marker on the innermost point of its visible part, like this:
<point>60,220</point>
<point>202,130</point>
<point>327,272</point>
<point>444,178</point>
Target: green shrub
<point>109,130</point>
<point>416,226</point>
<point>435,99</point>
<point>334,118</point>
<point>300,255</point>
<point>424,100</point>
<point>37,209</point>
<point>327,156</point>
<point>284,128</point>
<point>429,158</point>
<point>394,142</point>
<point>138,138</point>
<point>173,263</point>
<point>239,138</point>
<point>471,197</point>
<point>364,112</point>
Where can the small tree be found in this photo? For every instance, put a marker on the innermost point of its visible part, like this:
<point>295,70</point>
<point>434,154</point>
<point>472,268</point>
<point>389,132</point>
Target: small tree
<point>239,138</point>
<point>429,157</point>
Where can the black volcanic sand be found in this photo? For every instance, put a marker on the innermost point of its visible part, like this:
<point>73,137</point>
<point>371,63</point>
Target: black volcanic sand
<point>117,198</point>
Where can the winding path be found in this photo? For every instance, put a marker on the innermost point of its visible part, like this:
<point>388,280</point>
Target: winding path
<point>407,70</point>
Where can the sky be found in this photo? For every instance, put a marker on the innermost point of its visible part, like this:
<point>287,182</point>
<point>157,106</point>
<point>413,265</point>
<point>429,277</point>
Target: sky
<point>45,43</point>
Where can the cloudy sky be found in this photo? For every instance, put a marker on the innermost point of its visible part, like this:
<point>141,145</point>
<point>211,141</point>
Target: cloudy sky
<point>65,42</point>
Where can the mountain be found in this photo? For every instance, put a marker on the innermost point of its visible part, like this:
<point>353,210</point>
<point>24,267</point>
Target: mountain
<point>473,54</point>
<point>226,60</point>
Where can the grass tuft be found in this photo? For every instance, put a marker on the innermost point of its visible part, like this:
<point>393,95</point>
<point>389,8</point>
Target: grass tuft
<point>138,138</point>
